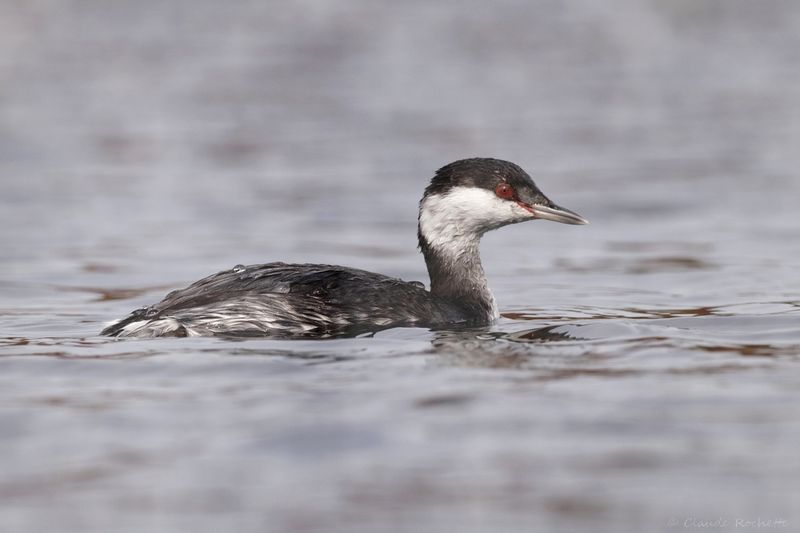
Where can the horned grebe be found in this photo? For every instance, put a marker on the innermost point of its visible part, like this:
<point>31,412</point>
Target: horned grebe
<point>464,200</point>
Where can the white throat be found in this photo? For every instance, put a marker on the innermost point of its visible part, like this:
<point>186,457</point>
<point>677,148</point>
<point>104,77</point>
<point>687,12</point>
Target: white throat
<point>454,222</point>
<point>451,225</point>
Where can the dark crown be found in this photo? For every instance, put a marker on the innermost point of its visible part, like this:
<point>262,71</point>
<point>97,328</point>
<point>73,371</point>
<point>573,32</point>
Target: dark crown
<point>483,172</point>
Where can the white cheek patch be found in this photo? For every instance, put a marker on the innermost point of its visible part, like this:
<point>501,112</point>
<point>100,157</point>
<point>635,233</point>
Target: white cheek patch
<point>465,214</point>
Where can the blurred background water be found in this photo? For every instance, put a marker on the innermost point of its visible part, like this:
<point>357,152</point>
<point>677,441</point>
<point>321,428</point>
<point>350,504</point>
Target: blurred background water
<point>644,376</point>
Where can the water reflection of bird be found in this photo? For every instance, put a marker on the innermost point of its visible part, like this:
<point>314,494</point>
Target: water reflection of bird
<point>464,200</point>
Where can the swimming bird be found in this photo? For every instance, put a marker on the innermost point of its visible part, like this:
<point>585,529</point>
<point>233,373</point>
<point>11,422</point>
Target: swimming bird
<point>463,201</point>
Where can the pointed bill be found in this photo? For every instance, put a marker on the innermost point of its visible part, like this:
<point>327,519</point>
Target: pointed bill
<point>557,214</point>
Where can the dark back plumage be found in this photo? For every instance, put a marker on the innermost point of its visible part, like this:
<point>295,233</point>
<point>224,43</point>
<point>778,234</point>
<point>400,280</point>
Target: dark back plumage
<point>280,299</point>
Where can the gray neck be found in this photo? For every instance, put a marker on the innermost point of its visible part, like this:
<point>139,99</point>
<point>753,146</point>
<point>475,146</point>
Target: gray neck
<point>457,276</point>
<point>451,224</point>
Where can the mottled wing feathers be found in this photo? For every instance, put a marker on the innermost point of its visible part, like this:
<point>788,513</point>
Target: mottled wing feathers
<point>283,299</point>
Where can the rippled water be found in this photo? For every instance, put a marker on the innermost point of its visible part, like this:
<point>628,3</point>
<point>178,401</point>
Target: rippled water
<point>645,374</point>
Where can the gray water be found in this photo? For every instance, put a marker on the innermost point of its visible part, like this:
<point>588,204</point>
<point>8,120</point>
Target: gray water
<point>645,375</point>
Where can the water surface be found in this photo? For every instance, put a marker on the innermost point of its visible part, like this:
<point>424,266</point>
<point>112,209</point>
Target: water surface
<point>645,375</point>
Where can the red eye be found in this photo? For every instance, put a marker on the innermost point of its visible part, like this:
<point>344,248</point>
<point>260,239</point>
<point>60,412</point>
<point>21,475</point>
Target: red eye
<point>504,191</point>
